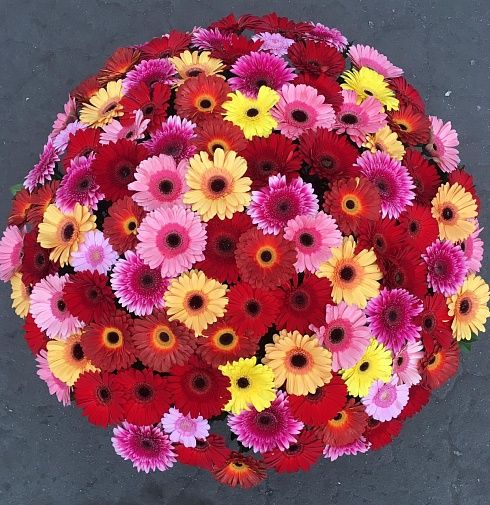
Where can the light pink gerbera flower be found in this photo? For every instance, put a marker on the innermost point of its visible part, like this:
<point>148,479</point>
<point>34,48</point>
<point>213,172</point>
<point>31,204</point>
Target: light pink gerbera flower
<point>49,309</point>
<point>209,39</point>
<point>11,245</point>
<point>330,36</point>
<point>149,72</point>
<point>273,206</point>
<point>392,180</point>
<point>359,446</point>
<point>147,447</point>
<point>473,250</point>
<point>160,182</point>
<point>55,386</point>
<point>275,43</point>
<point>94,254</point>
<point>391,316</point>
<point>43,171</point>
<point>406,363</point>
<point>357,120</point>
<point>301,108</point>
<point>269,429</point>
<point>63,119</point>
<point>138,287</point>
<point>172,239</point>
<point>385,401</point>
<point>115,131</point>
<point>60,143</point>
<point>443,144</point>
<point>446,267</point>
<point>367,56</point>
<point>344,334</point>
<point>184,429</point>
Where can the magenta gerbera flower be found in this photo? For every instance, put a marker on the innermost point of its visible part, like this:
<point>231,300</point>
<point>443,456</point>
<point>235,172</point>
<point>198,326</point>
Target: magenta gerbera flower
<point>359,446</point>
<point>55,386</point>
<point>43,170</point>
<point>272,207</point>
<point>367,56</point>
<point>11,245</point>
<point>406,363</point>
<point>344,334</point>
<point>275,43</point>
<point>330,36</point>
<point>314,236</point>
<point>150,72</point>
<point>94,254</point>
<point>392,180</point>
<point>137,286</point>
<point>160,182</point>
<point>385,401</point>
<point>391,317</point>
<point>443,144</point>
<point>269,429</point>
<point>147,447</point>
<point>301,108</point>
<point>185,429</point>
<point>473,250</point>
<point>209,39</point>
<point>446,267</point>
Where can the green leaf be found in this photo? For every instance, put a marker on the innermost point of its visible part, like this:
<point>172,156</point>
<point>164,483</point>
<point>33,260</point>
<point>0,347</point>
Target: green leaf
<point>465,345</point>
<point>15,188</point>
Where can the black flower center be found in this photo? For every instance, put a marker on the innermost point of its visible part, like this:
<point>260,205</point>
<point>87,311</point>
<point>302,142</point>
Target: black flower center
<point>68,232</point>
<point>447,214</point>
<point>327,162</point>
<point>200,382</point>
<point>349,119</point>
<point>84,184</point>
<point>299,300</point>
<point>429,322</point>
<point>196,302</point>
<point>104,394</point>
<point>266,419</point>
<point>392,315</point>
<point>166,187</point>
<point>205,103</point>
<point>147,280</point>
<point>299,116</point>
<point>299,360</point>
<point>164,337</point>
<point>364,366</point>
<point>465,306</point>
<point>40,259</point>
<point>173,240</point>
<point>413,227</point>
<point>144,392</point>
<point>61,305</point>
<point>132,226</point>
<point>226,244</point>
<point>77,352</point>
<point>306,239</point>
<point>252,112</point>
<point>347,273</point>
<point>336,335</point>
<point>266,256</point>
<point>217,185</point>
<point>124,171</point>
<point>113,337</point>
<point>399,361</point>
<point>226,339</point>
<point>243,383</point>
<point>368,92</point>
<point>252,307</point>
<point>350,204</point>
<point>266,166</point>
<point>261,82</point>
<point>194,72</point>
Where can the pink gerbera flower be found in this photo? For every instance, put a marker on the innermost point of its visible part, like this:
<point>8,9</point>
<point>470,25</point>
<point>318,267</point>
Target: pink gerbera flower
<point>49,309</point>
<point>43,171</point>
<point>61,141</point>
<point>94,254</point>
<point>392,180</point>
<point>314,236</point>
<point>473,250</point>
<point>149,72</point>
<point>446,267</point>
<point>391,316</point>
<point>160,182</point>
<point>272,207</point>
<point>367,56</point>
<point>115,131</point>
<point>330,36</point>
<point>275,43</point>
<point>301,108</point>
<point>63,119</point>
<point>11,245</point>
<point>359,446</point>
<point>269,429</point>
<point>147,447</point>
<point>344,334</point>
<point>357,120</point>
<point>172,239</point>
<point>385,401</point>
<point>260,69</point>
<point>209,39</point>
<point>138,287</point>
<point>55,386</point>
<point>185,429</point>
<point>443,145</point>
<point>406,363</point>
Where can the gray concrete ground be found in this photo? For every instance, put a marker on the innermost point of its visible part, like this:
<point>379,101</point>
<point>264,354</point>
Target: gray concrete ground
<point>52,456</point>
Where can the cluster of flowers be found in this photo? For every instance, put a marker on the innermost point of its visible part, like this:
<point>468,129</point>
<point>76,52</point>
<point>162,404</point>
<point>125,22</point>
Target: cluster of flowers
<point>268,230</point>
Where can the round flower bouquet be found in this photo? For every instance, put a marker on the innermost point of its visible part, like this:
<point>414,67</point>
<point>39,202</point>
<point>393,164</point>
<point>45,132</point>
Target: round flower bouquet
<point>254,222</point>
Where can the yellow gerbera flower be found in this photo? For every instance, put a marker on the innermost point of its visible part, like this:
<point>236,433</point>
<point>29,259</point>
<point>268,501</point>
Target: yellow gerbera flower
<point>469,307</point>
<point>366,82</point>
<point>252,385</point>
<point>252,114</point>
<point>192,64</point>
<point>64,232</point>
<point>453,208</point>
<point>387,141</point>
<point>299,361</point>
<point>20,296</point>
<point>195,300</point>
<point>104,106</point>
<point>376,364</point>
<point>217,187</point>
<point>354,277</point>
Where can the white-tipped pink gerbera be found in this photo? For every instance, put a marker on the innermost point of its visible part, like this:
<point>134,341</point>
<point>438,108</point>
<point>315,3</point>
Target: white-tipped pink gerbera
<point>385,401</point>
<point>443,145</point>
<point>473,250</point>
<point>406,363</point>
<point>274,43</point>
<point>63,119</point>
<point>367,56</point>
<point>184,429</point>
<point>359,446</point>
<point>94,254</point>
<point>115,131</point>
<point>44,169</point>
<point>330,36</point>
<point>55,386</point>
<point>11,245</point>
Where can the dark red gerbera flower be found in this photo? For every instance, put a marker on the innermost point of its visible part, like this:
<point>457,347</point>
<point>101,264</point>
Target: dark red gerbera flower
<point>407,94</point>
<point>41,198</point>
<point>435,321</point>
<point>21,204</point>
<point>316,58</point>
<point>236,46</point>
<point>411,126</point>
<point>325,85</point>
<point>36,264</point>
<point>208,454</point>
<point>215,133</point>
<point>439,363</point>
<point>230,24</point>
<point>115,165</point>
<point>121,61</point>
<point>420,228</point>
<point>383,235</point>
<point>88,297</point>
<point>276,24</point>
<point>424,174</point>
<point>462,177</point>
<point>240,470</point>
<point>418,397</point>
<point>35,338</point>
<point>81,143</point>
<point>146,396</point>
<point>198,388</point>
<point>163,47</point>
<point>101,397</point>
<point>382,434</point>
<point>85,90</point>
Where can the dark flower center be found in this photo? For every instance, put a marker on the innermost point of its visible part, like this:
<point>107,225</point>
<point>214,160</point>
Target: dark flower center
<point>402,126</point>
<point>299,360</point>
<point>93,294</point>
<point>217,146</point>
<point>392,315</point>
<point>429,322</point>
<point>226,245</point>
<point>364,366</point>
<point>300,116</point>
<point>266,419</point>
<point>381,186</point>
<point>148,109</point>
<point>68,232</point>
<point>413,227</point>
<point>338,417</point>
<point>124,171</point>
<point>336,335</point>
<point>40,259</point>
<point>173,240</point>
<point>194,72</point>
<point>217,185</point>
<point>465,306</point>
<point>226,339</point>
<point>350,204</point>
<point>399,361</point>
<point>299,300</point>
<point>148,444</point>
<point>144,392</point>
<point>346,273</point>
<point>266,166</point>
<point>61,305</point>
<point>252,307</point>
<point>113,337</point>
<point>77,352</point>
<point>164,336</point>
<point>349,119</point>
<point>147,280</point>
<point>252,112</point>
<point>104,394</point>
<point>432,359</point>
<point>368,92</point>
<point>200,382</point>
<point>266,256</point>
<point>132,226</point>
<point>205,104</point>
<point>447,213</point>
<point>293,449</point>
<point>261,82</point>
<point>166,187</point>
<point>196,302</point>
<point>243,383</point>
<point>84,184</point>
<point>327,162</point>
<point>202,444</point>
<point>306,239</point>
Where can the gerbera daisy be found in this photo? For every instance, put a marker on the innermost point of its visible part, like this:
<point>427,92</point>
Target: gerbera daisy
<point>411,126</point>
<point>375,364</point>
<point>384,236</point>
<point>367,56</point>
<point>406,93</point>
<point>149,72</point>
<point>453,208</point>
<point>160,344</point>
<point>434,320</point>
<point>234,47</point>
<point>131,130</point>
<point>251,385</point>
<point>439,364</point>
<point>418,397</point>
<point>216,133</point>
<point>366,82</point>
<point>121,61</point>
<point>406,363</point>
<point>208,454</point>
<point>95,254</point>
<point>472,248</point>
<point>465,180</point>
<point>44,169</point>
<point>20,295</point>
<point>240,470</point>
<point>301,108</point>
<point>195,300</point>
<point>380,434</point>
<point>316,58</point>
<point>34,337</point>
<point>147,447</point>
<point>359,446</point>
<point>11,252</point>
<point>274,43</point>
<point>252,115</point>
<point>354,277</point>
<point>80,142</point>
<point>162,47</point>
<point>469,307</point>
<point>85,89</point>
<point>217,187</point>
<point>386,141</point>
<point>392,180</point>
<point>326,86</point>
<point>424,174</point>
<point>184,429</point>
<point>190,65</point>
<point>21,206</point>
<point>63,119</point>
<point>419,227</point>
<point>274,23</point>
<point>209,38</point>
<point>442,145</point>
<point>55,386</point>
<point>331,36</point>
<point>137,286</point>
<point>385,401</point>
<point>103,106</point>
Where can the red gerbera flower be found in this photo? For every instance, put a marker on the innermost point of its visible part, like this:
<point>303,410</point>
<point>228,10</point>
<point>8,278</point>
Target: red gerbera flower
<point>276,24</point>
<point>101,397</point>
<point>325,85</point>
<point>383,235</point>
<point>208,454</point>
<point>418,397</point>
<point>270,156</point>
<point>163,47</point>
<point>85,90</point>
<point>236,46</point>
<point>146,396</point>
<point>21,204</point>
<point>435,320</point>
<point>115,165</point>
<point>198,388</point>
<point>420,228</point>
<point>439,363</point>
<point>35,338</point>
<point>41,199</point>
<point>240,470</point>
<point>229,24</point>
<point>121,61</point>
<point>382,434</point>
<point>411,126</point>
<point>424,174</point>
<point>407,94</point>
<point>465,179</point>
<point>81,143</point>
<point>316,58</point>
<point>315,409</point>
<point>36,264</point>
<point>215,133</point>
<point>300,455</point>
<point>88,296</point>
